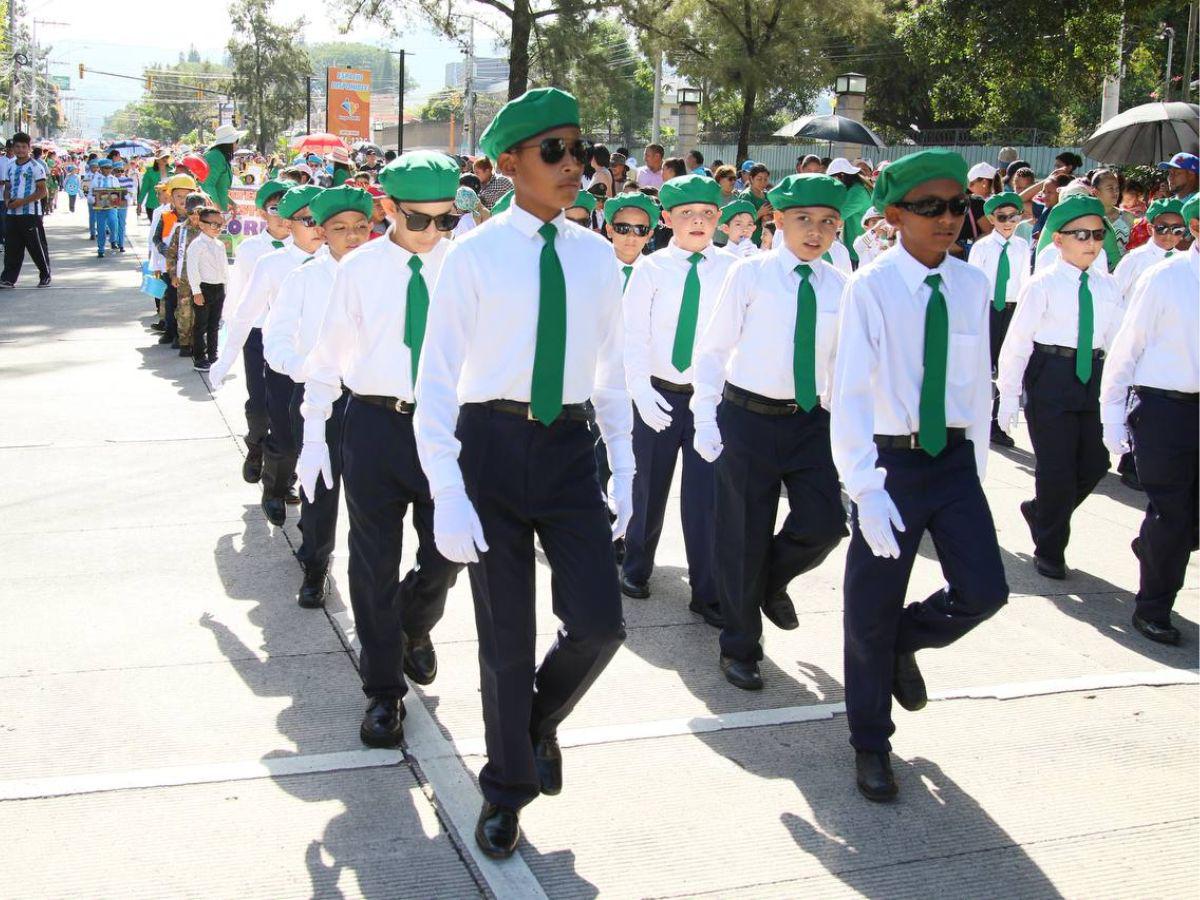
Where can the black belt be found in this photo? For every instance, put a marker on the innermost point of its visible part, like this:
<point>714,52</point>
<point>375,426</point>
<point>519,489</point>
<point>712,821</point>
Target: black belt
<point>756,403</point>
<point>571,412</point>
<point>1056,350</point>
<point>671,386</point>
<point>395,404</point>
<point>1170,395</point>
<point>954,436</point>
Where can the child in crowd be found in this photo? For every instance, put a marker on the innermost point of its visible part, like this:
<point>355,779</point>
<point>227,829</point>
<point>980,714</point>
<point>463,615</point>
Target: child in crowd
<point>207,271</point>
<point>737,224</point>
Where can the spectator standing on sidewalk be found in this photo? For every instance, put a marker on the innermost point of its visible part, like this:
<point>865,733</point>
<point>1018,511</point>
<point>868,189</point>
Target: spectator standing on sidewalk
<point>24,195</point>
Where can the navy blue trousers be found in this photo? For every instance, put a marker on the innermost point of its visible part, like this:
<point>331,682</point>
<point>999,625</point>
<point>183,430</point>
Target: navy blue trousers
<point>998,322</point>
<point>1068,443</point>
<point>1166,437</point>
<point>528,480</point>
<point>258,423</point>
<point>383,479</point>
<point>279,449</point>
<point>318,517</point>
<point>753,563</point>
<point>655,453</point>
<point>941,495</point>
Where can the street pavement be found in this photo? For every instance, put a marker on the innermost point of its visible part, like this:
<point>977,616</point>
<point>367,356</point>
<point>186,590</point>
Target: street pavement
<point>173,725</point>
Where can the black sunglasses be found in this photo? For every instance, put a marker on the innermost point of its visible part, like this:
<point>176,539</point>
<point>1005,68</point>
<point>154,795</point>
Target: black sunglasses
<point>1177,230</point>
<point>306,221</point>
<point>584,221</point>
<point>626,227</point>
<point>419,221</point>
<point>1014,217</point>
<point>554,149</point>
<point>1085,234</point>
<point>932,207</point>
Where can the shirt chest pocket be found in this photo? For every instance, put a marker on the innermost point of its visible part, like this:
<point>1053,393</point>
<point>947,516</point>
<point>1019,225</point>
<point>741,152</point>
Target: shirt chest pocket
<point>962,361</point>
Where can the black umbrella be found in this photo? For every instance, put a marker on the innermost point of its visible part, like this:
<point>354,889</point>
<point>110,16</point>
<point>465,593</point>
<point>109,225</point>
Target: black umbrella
<point>832,128</point>
<point>1146,134</point>
<point>364,146</point>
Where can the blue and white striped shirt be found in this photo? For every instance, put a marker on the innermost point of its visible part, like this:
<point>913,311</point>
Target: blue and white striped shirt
<point>23,180</point>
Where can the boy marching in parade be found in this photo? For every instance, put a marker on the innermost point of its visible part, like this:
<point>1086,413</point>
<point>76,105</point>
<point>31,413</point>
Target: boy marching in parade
<point>1167,229</point>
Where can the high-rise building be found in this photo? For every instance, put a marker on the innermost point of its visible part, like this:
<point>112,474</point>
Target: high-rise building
<point>488,71</point>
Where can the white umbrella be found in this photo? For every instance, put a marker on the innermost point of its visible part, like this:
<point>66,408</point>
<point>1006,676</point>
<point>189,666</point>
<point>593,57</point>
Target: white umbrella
<point>1146,134</point>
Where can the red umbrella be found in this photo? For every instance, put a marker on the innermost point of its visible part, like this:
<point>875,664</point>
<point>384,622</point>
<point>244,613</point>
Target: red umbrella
<point>320,142</point>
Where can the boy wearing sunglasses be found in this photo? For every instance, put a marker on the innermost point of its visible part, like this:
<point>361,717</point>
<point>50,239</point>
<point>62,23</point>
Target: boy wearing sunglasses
<point>1156,353</point>
<point>580,212</point>
<point>279,447</point>
<point>1167,229</point>
<point>510,361</point>
<point>668,302</point>
<point>767,358</point>
<point>1005,260</point>
<point>371,340</point>
<point>1065,320</point>
<point>207,271</point>
<point>909,425</point>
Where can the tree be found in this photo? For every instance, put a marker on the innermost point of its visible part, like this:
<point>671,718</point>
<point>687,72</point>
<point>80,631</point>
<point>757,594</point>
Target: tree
<point>269,67</point>
<point>176,100</point>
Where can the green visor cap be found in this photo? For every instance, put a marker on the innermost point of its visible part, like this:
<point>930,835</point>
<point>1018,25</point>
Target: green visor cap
<point>689,189</point>
<point>584,200</point>
<point>420,176</point>
<point>631,201</point>
<point>1191,209</point>
<point>810,189</point>
<point>270,189</point>
<point>297,198</point>
<point>1008,198</point>
<point>343,198</point>
<point>1067,211</point>
<point>1163,205</point>
<point>534,112</point>
<point>913,170</point>
<point>736,208</point>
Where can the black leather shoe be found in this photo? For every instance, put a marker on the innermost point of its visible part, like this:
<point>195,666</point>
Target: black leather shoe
<point>252,466</point>
<point>1131,481</point>
<point>166,339</point>
<point>908,687</point>
<point>158,326</point>
<point>1049,568</point>
<point>420,660</point>
<point>291,498</point>
<point>312,590</point>
<point>1000,439</point>
<point>383,723</point>
<point>742,674</point>
<point>547,759</point>
<point>185,351</point>
<point>274,510</point>
<point>634,590</point>
<point>874,775</point>
<point>1160,634</point>
<point>498,831</point>
<point>710,614</point>
<point>780,610</point>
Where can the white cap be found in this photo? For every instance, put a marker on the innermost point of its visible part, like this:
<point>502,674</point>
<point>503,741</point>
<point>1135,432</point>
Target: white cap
<point>871,213</point>
<point>1078,186</point>
<point>981,170</point>
<point>842,166</point>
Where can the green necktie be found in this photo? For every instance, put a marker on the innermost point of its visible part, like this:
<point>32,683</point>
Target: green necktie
<point>828,257</point>
<point>932,410</point>
<point>1083,345</point>
<point>549,357</point>
<point>1000,293</point>
<point>628,270</point>
<point>689,315</point>
<point>276,244</point>
<point>416,312</point>
<point>804,354</point>
<point>1169,253</point>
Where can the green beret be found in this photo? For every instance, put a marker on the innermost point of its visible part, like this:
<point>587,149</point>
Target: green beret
<point>1191,209</point>
<point>736,207</point>
<point>911,171</point>
<point>297,198</point>
<point>810,189</point>
<point>535,111</point>
<point>689,189</point>
<point>1007,198</point>
<point>269,190</point>
<point>420,176</point>
<point>504,202</point>
<point>1163,205</point>
<point>343,198</point>
<point>584,200</point>
<point>1066,211</point>
<point>636,200</point>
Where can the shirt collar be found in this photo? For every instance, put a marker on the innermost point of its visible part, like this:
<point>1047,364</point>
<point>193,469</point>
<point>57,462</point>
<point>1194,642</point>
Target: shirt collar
<point>1065,270</point>
<point>528,224</point>
<point>677,252</point>
<point>789,260</point>
<point>912,272</point>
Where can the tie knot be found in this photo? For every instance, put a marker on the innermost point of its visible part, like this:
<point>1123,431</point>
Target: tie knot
<point>933,281</point>
<point>626,269</point>
<point>1083,279</point>
<point>804,270</point>
<point>414,263</point>
<point>695,258</point>
<point>548,232</point>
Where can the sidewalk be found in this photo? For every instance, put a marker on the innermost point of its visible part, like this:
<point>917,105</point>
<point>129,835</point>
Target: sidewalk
<point>172,724</point>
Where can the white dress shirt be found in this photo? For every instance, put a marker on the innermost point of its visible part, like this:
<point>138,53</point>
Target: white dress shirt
<point>840,257</point>
<point>245,256</point>
<point>880,361</point>
<point>1048,313</point>
<point>361,342</point>
<point>647,178</point>
<point>157,263</point>
<point>750,338</point>
<point>206,262</point>
<point>1050,254</point>
<point>652,303</point>
<point>1158,343</point>
<point>1135,263</point>
<point>482,334</point>
<point>746,248</point>
<point>985,256</point>
<point>295,317</point>
<point>868,246</point>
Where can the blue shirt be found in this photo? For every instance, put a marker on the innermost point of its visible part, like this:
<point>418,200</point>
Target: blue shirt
<point>23,180</point>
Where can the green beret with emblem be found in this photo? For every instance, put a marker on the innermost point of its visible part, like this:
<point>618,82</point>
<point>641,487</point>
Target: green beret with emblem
<point>689,189</point>
<point>914,170</point>
<point>343,198</point>
<point>420,176</point>
<point>809,189</point>
<point>636,200</point>
<point>297,198</point>
<point>534,112</point>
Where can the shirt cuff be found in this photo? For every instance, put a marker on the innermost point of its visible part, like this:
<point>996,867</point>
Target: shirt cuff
<point>1113,413</point>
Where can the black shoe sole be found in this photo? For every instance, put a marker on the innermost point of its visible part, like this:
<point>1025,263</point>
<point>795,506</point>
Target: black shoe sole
<point>492,852</point>
<point>876,797</point>
<point>634,593</point>
<point>411,675</point>
<point>1168,640</point>
<point>1049,572</point>
<point>387,742</point>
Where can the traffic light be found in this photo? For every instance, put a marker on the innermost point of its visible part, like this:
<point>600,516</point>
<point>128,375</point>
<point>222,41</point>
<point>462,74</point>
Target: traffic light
<point>81,70</point>
<point>149,83</point>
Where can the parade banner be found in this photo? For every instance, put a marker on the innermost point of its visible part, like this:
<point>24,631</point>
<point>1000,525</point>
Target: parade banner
<point>348,103</point>
<point>245,218</point>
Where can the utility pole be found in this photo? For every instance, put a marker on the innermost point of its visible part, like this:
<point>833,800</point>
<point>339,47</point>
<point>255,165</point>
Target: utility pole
<point>308,104</point>
<point>1110,92</point>
<point>34,66</point>
<point>1169,34</point>
<point>1189,53</point>
<point>399,101</point>
<point>12,50</point>
<point>656,110</point>
<point>470,88</point>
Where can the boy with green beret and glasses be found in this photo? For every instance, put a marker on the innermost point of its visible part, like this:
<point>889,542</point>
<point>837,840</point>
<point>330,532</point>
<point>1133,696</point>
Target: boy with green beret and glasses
<point>1005,260</point>
<point>909,426</point>
<point>1156,353</point>
<point>371,341</point>
<point>293,322</point>
<point>279,447</point>
<point>580,211</point>
<point>1066,319</point>
<point>510,361</point>
<point>1167,229</point>
<point>737,224</point>
<point>766,357</point>
<point>668,302</point>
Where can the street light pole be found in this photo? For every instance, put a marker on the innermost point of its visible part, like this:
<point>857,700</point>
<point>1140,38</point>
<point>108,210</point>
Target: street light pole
<point>308,104</point>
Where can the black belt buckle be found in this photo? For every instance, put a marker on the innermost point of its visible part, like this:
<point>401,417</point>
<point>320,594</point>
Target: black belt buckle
<point>914,441</point>
<point>403,407</point>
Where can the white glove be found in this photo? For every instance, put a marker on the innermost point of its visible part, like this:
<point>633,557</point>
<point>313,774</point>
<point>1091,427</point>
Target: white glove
<point>652,407</point>
<point>219,371</point>
<point>1006,416</point>
<point>708,441</point>
<point>620,501</point>
<point>877,516</point>
<point>457,531</point>
<point>313,464</point>
<point>1116,438</point>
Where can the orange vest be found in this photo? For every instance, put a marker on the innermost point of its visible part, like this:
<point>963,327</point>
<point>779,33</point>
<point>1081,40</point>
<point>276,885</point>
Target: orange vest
<point>169,221</point>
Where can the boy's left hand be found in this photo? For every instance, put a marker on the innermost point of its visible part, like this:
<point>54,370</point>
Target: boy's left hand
<point>198,299</point>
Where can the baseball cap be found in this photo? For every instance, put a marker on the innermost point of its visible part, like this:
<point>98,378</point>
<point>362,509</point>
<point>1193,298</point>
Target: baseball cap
<point>842,166</point>
<point>1187,161</point>
<point>981,170</point>
<point>748,165</point>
